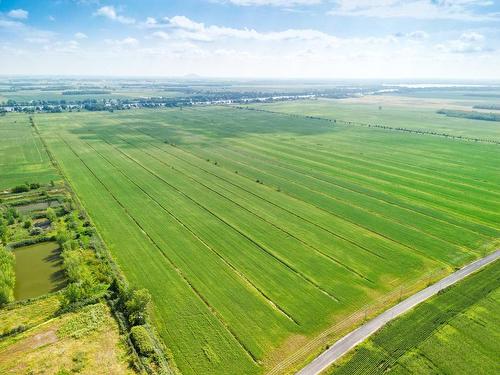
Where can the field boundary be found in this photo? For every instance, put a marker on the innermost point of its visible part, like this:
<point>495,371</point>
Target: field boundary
<point>349,341</point>
<point>377,126</point>
<point>169,365</point>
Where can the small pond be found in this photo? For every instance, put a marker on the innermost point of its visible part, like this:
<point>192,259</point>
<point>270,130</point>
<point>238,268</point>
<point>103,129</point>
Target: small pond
<point>37,206</point>
<point>38,270</point>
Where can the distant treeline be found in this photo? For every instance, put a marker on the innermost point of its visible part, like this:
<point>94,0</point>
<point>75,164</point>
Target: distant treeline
<point>86,92</point>
<point>487,106</point>
<point>473,115</point>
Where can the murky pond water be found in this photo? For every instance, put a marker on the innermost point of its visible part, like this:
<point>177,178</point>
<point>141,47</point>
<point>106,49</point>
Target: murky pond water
<point>38,270</point>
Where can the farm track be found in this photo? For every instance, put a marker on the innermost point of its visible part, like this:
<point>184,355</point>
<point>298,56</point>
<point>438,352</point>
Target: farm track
<point>346,343</point>
<point>165,256</point>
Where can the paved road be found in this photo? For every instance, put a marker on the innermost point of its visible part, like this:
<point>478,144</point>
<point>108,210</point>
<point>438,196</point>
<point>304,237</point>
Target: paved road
<point>360,334</point>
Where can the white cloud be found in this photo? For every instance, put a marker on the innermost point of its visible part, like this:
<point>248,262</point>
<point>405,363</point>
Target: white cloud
<point>418,35</point>
<point>37,40</point>
<point>127,42</point>
<point>110,12</point>
<point>80,35</point>
<point>20,14</point>
<point>11,25</point>
<point>417,9</point>
<point>472,36</point>
<point>186,28</point>
<point>65,47</point>
<point>277,3</point>
<point>468,42</point>
<point>161,35</point>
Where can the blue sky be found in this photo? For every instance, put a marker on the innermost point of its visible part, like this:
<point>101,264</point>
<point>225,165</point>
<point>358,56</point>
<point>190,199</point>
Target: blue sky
<point>252,38</point>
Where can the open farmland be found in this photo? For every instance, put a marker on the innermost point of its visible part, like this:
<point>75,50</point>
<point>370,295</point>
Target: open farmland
<point>455,332</point>
<point>392,111</point>
<point>22,156</point>
<point>256,231</point>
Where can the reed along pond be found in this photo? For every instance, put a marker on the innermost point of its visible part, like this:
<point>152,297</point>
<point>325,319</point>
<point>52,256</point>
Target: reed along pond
<point>38,270</point>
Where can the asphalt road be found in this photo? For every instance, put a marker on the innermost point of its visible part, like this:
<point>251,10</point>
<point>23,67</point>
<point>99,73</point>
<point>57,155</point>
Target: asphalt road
<point>360,334</point>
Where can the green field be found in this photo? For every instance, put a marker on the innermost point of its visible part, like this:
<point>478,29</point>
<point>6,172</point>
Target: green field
<point>22,158</point>
<point>391,113</point>
<point>456,332</point>
<point>28,95</point>
<point>254,231</point>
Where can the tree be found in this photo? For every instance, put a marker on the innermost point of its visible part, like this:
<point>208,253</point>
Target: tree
<point>7,276</point>
<point>51,215</point>
<point>4,231</point>
<point>137,306</point>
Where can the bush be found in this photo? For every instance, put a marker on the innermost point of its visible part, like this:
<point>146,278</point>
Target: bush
<point>7,276</point>
<point>28,223</point>
<point>137,305</point>
<point>142,340</point>
<point>20,189</point>
<point>36,231</point>
<point>51,215</point>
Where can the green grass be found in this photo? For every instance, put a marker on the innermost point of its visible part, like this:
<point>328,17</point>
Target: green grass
<point>86,341</point>
<point>415,117</point>
<point>23,96</point>
<point>22,156</point>
<point>455,332</point>
<point>239,269</point>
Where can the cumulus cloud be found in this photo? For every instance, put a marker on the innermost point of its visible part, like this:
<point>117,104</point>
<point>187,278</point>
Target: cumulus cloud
<point>184,27</point>
<point>126,42</point>
<point>418,35</point>
<point>417,9</point>
<point>468,42</point>
<point>80,35</point>
<point>110,12</point>
<point>20,14</point>
<point>277,3</point>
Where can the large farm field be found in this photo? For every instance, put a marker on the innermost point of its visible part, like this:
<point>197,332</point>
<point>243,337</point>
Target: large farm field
<point>22,158</point>
<point>455,332</point>
<point>396,112</point>
<point>255,231</point>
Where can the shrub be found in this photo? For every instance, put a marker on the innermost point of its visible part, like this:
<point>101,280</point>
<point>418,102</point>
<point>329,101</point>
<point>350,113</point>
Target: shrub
<point>20,189</point>
<point>142,340</point>
<point>50,214</point>
<point>7,276</point>
<point>28,223</point>
<point>36,231</point>
<point>137,306</point>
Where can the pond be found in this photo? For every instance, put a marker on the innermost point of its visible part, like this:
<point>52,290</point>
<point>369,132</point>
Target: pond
<point>38,270</point>
<point>37,206</point>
